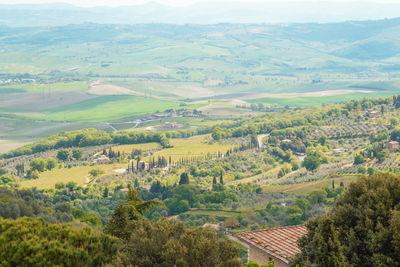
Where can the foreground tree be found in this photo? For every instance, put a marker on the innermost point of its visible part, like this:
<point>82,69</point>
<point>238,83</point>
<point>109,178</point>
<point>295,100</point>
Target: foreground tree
<point>34,242</point>
<point>133,210</point>
<point>168,243</point>
<point>363,228</point>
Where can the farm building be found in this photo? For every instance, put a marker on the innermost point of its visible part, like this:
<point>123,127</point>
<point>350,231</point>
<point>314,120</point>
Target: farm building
<point>103,159</point>
<point>392,145</point>
<point>278,244</point>
<point>338,151</point>
<point>372,113</point>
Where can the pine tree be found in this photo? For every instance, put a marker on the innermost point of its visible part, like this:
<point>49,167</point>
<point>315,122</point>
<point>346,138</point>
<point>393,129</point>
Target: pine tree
<point>221,179</point>
<point>133,210</point>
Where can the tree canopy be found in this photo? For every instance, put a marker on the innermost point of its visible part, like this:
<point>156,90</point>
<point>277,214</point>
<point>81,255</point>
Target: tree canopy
<point>311,163</point>
<point>168,243</point>
<point>363,228</point>
<point>34,242</point>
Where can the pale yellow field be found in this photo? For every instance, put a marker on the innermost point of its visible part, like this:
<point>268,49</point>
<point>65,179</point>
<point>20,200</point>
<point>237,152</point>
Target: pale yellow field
<point>129,148</point>
<point>310,186</point>
<point>80,175</point>
<point>192,147</point>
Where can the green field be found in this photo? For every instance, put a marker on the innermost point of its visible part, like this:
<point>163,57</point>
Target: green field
<point>196,146</point>
<point>128,148</point>
<point>108,108</point>
<point>47,88</point>
<point>316,101</point>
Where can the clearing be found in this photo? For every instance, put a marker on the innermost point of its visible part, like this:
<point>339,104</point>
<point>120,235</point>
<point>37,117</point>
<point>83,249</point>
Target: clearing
<point>98,88</point>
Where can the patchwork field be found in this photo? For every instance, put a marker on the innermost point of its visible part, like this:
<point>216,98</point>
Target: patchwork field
<point>108,108</point>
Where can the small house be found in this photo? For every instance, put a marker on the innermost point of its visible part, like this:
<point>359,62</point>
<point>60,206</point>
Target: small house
<point>338,151</point>
<point>278,244</point>
<point>103,159</point>
<point>392,145</point>
<point>124,190</point>
<point>372,113</point>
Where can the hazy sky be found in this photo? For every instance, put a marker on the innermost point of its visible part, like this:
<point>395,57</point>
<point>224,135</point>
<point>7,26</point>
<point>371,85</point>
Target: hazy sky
<point>167,2</point>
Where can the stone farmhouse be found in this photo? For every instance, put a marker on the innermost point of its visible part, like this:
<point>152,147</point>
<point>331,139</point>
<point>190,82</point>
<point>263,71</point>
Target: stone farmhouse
<point>278,244</point>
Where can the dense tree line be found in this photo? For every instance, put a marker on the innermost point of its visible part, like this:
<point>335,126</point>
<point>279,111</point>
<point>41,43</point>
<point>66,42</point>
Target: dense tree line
<point>16,203</point>
<point>88,137</point>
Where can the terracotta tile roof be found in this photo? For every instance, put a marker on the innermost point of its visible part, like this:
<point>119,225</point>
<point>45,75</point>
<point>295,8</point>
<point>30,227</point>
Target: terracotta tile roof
<point>278,242</point>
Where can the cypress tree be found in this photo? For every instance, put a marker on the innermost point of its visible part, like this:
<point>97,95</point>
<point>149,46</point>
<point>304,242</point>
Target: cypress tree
<point>214,180</point>
<point>184,179</point>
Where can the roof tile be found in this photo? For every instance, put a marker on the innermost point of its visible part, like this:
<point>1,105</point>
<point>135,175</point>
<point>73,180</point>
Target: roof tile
<point>279,242</point>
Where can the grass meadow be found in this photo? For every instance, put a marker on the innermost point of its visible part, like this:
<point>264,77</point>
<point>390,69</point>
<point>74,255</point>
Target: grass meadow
<point>192,147</point>
<point>80,175</point>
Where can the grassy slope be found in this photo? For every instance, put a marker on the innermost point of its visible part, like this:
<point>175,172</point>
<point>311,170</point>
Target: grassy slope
<point>80,175</point>
<point>309,187</point>
<point>192,147</point>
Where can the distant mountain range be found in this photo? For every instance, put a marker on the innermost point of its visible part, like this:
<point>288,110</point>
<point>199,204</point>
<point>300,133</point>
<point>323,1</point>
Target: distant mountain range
<point>199,13</point>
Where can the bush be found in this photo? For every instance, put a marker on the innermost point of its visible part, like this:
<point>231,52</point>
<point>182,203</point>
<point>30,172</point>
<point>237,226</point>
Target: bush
<point>168,243</point>
<point>63,154</point>
<point>51,163</point>
<point>33,242</point>
<point>77,153</point>
<point>38,164</point>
